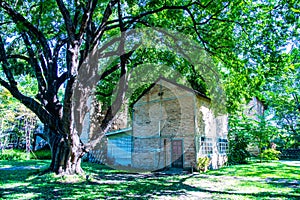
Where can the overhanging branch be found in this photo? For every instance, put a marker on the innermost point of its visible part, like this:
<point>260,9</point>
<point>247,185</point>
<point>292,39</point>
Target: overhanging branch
<point>33,61</point>
<point>33,105</point>
<point>67,18</point>
<point>28,27</point>
<point>5,65</point>
<point>101,28</point>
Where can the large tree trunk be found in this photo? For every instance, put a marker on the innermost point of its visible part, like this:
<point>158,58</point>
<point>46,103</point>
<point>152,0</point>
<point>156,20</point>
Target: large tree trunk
<point>66,154</point>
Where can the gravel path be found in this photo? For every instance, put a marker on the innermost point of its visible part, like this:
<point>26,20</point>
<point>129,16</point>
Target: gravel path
<point>291,163</point>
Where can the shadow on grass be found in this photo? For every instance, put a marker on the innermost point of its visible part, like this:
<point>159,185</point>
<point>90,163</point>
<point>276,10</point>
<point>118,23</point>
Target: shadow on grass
<point>107,183</point>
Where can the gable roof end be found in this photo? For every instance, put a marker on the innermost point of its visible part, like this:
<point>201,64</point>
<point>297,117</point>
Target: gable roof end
<point>174,83</point>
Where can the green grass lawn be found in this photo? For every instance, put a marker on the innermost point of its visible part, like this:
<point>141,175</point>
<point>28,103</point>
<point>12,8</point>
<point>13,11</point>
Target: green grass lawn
<point>273,169</point>
<point>273,180</point>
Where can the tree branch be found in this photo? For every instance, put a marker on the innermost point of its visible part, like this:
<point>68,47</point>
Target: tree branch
<point>34,106</point>
<point>103,94</point>
<point>5,65</point>
<point>297,101</point>
<point>198,2</point>
<point>122,86</point>
<point>129,19</point>
<point>22,57</point>
<point>30,103</point>
<point>109,71</point>
<point>33,61</point>
<point>204,43</point>
<point>107,13</point>
<point>60,43</point>
<point>213,15</point>
<point>68,21</point>
<point>61,80</point>
<point>87,16</point>
<point>29,28</point>
<point>87,27</point>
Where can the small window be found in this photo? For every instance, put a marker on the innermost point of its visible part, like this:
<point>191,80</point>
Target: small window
<point>206,146</point>
<point>223,146</point>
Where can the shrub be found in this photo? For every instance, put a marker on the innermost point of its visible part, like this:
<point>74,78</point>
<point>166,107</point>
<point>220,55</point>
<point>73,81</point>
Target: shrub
<point>238,150</point>
<point>43,154</point>
<point>12,154</point>
<point>203,163</point>
<point>270,154</point>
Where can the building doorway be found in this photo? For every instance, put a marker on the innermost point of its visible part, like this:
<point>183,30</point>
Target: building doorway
<point>177,154</point>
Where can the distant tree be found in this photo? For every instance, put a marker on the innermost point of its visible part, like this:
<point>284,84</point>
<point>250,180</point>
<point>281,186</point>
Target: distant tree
<point>246,131</point>
<point>282,95</point>
<point>262,133</point>
<point>239,138</point>
<point>15,118</point>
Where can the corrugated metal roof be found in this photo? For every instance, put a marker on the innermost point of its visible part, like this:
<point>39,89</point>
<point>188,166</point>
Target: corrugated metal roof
<point>119,131</point>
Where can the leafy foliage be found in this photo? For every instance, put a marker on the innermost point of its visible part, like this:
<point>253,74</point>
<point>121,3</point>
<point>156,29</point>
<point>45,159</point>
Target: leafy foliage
<point>42,154</point>
<point>248,130</point>
<point>270,154</point>
<point>238,149</point>
<point>12,154</point>
<point>282,94</point>
<point>203,163</point>
<point>15,117</point>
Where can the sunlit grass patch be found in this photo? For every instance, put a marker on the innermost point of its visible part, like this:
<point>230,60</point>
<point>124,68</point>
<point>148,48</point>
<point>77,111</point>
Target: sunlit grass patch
<point>24,196</point>
<point>13,185</point>
<point>18,163</point>
<point>262,170</point>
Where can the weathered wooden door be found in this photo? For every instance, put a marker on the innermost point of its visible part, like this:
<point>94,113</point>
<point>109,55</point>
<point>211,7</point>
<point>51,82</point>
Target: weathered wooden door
<point>177,154</point>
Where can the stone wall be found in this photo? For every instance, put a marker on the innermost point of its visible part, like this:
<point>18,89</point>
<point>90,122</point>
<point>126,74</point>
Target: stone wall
<point>210,130</point>
<point>163,114</point>
<point>254,108</point>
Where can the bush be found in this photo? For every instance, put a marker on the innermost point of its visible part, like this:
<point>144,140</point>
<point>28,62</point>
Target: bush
<point>12,154</point>
<point>270,154</point>
<point>43,154</point>
<point>203,163</point>
<point>238,150</point>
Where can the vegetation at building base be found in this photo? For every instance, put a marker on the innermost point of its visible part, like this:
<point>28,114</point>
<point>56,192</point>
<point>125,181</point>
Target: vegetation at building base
<point>273,180</point>
<point>203,164</point>
<point>238,152</point>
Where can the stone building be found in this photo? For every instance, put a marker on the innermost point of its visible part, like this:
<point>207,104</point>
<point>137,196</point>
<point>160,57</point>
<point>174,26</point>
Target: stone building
<point>254,109</point>
<point>173,126</point>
